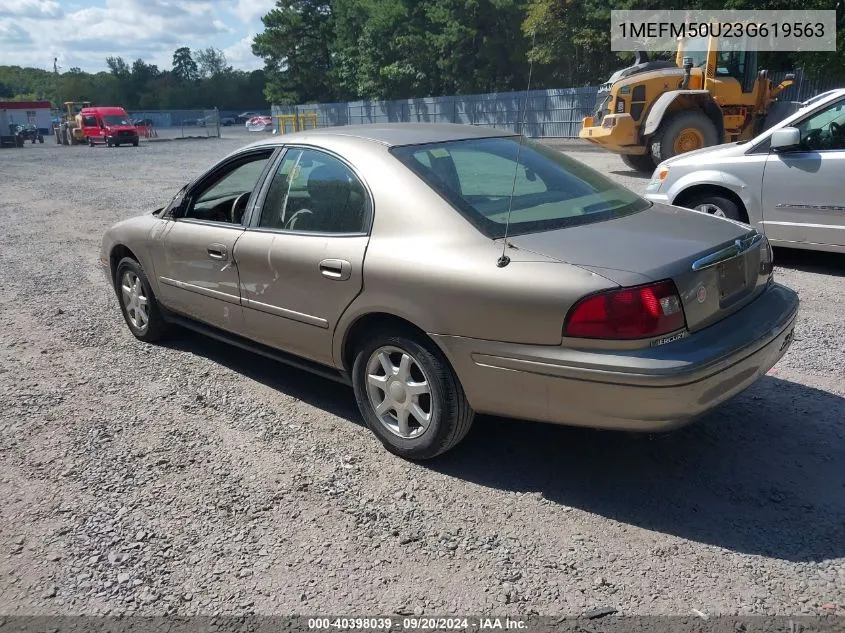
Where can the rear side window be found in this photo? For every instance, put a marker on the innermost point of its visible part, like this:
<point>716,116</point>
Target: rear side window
<point>551,191</point>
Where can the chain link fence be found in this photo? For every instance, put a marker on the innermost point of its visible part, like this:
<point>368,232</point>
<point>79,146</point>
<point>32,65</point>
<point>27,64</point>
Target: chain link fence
<point>183,123</point>
<point>553,113</point>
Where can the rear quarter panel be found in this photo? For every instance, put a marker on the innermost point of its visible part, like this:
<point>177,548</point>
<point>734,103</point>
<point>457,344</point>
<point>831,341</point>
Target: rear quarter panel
<point>428,265</point>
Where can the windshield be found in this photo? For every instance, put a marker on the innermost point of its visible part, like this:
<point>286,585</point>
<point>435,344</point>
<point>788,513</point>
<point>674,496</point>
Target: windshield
<point>114,119</point>
<point>551,191</point>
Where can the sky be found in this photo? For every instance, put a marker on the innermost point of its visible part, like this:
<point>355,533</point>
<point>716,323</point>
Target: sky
<point>83,33</point>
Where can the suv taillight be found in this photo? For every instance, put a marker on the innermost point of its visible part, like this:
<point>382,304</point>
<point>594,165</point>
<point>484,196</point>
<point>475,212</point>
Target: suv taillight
<point>627,313</point>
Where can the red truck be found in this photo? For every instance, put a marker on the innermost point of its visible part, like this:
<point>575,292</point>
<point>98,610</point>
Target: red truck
<point>108,124</point>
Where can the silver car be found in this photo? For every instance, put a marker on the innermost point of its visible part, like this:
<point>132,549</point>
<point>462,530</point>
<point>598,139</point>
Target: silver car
<point>788,182</point>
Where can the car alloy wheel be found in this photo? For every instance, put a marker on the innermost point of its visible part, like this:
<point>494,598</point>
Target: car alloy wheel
<point>135,301</point>
<point>399,392</point>
<point>408,394</point>
<point>138,303</point>
<point>711,208</point>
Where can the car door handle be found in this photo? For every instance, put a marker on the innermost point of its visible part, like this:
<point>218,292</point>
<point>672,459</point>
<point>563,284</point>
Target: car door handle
<point>217,251</point>
<point>336,269</point>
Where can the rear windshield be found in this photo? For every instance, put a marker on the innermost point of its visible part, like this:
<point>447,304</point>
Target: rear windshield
<point>551,191</point>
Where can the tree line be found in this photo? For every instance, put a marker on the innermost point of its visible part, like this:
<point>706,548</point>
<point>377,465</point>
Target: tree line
<point>341,50</point>
<point>197,79</point>
<point>338,50</point>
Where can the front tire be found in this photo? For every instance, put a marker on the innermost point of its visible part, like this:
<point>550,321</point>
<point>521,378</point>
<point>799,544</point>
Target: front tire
<point>717,205</point>
<point>681,133</point>
<point>409,396</point>
<point>137,302</point>
<point>639,162</point>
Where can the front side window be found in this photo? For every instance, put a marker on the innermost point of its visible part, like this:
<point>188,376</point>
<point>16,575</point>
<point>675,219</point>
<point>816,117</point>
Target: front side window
<point>314,192</point>
<point>825,130</point>
<point>225,196</point>
<point>551,191</point>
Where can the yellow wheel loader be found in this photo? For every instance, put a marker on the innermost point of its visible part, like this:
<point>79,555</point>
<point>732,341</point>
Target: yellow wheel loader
<point>656,109</point>
<point>69,130</point>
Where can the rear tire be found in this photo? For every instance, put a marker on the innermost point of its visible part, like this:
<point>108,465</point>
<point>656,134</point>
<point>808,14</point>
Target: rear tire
<point>683,132</point>
<point>639,162</point>
<point>137,302</point>
<point>715,204</point>
<point>411,380</point>
<point>135,143</point>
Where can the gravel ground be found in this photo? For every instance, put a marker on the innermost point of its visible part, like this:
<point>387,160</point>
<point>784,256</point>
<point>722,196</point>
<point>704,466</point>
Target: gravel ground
<point>195,478</point>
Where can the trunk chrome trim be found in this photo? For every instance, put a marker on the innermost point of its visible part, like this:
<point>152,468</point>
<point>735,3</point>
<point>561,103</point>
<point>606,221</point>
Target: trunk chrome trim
<point>208,292</point>
<point>286,314</point>
<point>736,249</point>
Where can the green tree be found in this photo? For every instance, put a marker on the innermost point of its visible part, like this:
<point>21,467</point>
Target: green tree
<point>184,66</point>
<point>211,62</point>
<point>295,46</point>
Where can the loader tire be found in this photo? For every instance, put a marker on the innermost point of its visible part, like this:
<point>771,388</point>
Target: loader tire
<point>639,162</point>
<point>683,132</point>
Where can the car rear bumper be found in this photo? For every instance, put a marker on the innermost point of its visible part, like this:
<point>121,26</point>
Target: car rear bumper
<point>652,389</point>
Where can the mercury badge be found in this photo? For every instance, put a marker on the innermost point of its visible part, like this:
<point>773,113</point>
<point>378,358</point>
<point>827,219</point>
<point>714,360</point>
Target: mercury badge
<point>701,295</point>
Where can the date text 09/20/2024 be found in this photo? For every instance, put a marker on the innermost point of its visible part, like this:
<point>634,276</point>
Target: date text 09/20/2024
<point>416,624</point>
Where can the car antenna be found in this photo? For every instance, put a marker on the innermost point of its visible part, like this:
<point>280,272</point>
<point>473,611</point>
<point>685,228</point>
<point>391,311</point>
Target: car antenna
<point>504,260</point>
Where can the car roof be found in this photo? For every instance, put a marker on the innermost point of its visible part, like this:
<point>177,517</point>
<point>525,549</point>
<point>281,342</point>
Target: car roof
<point>397,134</point>
<point>104,110</point>
<point>823,95</point>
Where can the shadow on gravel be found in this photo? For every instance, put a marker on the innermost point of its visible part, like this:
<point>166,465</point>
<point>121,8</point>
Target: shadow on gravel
<point>630,173</point>
<point>811,261</point>
<point>762,475</point>
<point>317,391</point>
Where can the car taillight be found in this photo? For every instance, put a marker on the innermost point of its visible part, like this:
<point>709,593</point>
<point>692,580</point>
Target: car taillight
<point>627,313</point>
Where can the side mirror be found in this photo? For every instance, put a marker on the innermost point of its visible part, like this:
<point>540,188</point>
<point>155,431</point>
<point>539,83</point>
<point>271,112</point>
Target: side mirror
<point>785,139</point>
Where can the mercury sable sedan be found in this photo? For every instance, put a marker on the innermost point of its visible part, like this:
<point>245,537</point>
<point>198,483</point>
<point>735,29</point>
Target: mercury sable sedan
<point>447,270</point>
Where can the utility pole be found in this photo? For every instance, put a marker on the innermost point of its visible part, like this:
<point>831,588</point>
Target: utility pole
<point>56,74</point>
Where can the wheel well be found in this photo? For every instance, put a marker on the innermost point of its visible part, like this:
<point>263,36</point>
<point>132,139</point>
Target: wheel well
<point>700,190</point>
<point>707,107</point>
<point>380,321</point>
<point>118,253</point>
<point>714,113</point>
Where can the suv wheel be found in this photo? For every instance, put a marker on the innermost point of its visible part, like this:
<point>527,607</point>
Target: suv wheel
<point>409,396</point>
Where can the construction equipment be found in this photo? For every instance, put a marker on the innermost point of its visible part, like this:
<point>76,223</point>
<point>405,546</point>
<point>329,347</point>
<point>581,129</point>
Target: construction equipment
<point>8,132</point>
<point>297,122</point>
<point>69,129</point>
<point>656,109</point>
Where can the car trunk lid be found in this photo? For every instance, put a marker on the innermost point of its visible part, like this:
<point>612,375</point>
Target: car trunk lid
<point>717,265</point>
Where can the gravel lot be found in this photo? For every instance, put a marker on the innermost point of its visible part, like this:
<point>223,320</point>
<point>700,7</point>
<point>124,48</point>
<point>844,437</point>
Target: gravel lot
<point>195,478</point>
